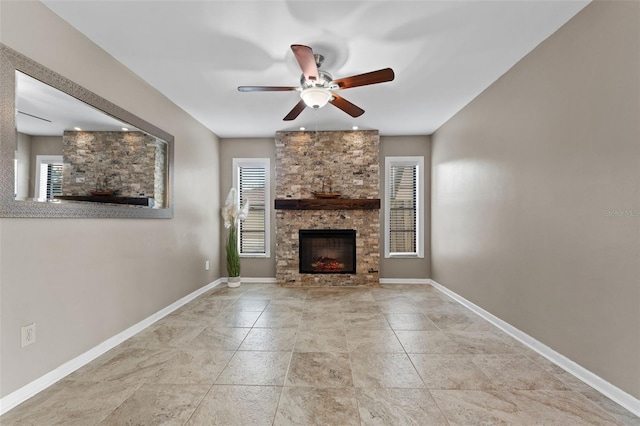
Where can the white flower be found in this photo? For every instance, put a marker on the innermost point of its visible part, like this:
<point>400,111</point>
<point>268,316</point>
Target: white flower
<point>244,211</point>
<point>232,213</point>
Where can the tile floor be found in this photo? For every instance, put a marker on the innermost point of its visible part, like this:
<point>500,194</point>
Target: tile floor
<point>262,354</point>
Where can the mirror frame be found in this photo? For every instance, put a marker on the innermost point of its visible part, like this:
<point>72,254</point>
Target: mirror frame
<point>12,61</point>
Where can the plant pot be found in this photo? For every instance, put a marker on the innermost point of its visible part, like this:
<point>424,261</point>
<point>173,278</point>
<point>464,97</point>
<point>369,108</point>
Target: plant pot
<point>233,282</point>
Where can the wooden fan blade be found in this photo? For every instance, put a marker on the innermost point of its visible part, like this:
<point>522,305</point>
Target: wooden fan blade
<point>372,77</point>
<point>265,88</point>
<point>346,106</point>
<point>300,106</point>
<point>304,56</point>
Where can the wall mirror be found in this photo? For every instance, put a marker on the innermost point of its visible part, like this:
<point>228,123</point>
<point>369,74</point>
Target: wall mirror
<point>67,152</point>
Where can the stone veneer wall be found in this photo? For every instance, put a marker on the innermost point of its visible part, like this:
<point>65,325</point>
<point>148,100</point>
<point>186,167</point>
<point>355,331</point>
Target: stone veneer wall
<point>120,161</point>
<point>349,162</point>
<point>160,176</point>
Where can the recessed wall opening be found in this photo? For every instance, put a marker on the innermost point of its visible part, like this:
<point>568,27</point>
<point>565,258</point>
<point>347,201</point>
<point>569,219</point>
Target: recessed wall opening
<point>327,251</point>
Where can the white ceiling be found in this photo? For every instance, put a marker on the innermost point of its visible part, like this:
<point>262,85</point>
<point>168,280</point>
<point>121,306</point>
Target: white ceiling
<point>444,53</point>
<point>46,111</point>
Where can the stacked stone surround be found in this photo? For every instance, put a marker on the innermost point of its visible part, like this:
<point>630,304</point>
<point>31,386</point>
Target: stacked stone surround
<point>131,164</point>
<point>343,162</point>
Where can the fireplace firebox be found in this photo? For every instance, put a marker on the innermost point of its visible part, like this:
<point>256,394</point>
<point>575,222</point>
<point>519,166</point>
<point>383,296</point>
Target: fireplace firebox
<point>327,251</point>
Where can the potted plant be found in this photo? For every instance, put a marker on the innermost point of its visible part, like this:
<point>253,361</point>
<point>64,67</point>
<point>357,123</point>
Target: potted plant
<point>233,214</point>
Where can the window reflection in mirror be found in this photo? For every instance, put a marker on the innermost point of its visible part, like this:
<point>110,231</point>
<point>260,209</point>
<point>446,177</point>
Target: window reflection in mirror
<point>67,150</point>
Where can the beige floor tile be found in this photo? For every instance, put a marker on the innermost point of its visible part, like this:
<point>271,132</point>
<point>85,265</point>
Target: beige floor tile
<point>269,339</point>
<point>481,342</point>
<point>219,338</point>
<point>385,370</point>
<point>255,368</point>
<point>519,408</point>
<point>322,340</point>
<point>279,319</point>
<point>163,336</point>
<point>361,307</point>
<point>567,378</point>
<point>304,353</point>
<point>248,305</point>
<point>398,407</point>
<point>317,406</point>
<point>450,372</point>
<point>274,292</point>
<point>228,405</point>
<point>452,321</point>
<point>321,319</point>
<point>556,407</point>
<point>396,306</point>
<point>319,369</point>
<point>427,342</point>
<point>622,415</point>
<point>516,372</point>
<point>187,319</point>
<point>364,340</point>
<point>131,365</point>
<point>238,318</point>
<point>191,366</point>
<point>72,403</point>
<point>410,322</point>
<point>158,404</point>
<point>366,320</point>
<point>475,407</point>
<point>208,306</point>
<point>285,306</point>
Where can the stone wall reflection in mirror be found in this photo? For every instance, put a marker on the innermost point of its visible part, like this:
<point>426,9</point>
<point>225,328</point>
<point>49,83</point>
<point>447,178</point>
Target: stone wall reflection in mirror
<point>103,159</point>
<point>67,152</point>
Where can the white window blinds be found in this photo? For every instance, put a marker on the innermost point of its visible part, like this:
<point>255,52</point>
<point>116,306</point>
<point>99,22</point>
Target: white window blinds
<point>402,209</point>
<point>253,184</point>
<point>54,180</point>
<point>403,206</point>
<point>48,176</point>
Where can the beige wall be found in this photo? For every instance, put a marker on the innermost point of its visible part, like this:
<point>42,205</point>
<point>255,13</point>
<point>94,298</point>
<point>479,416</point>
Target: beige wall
<point>84,280</point>
<point>23,155</point>
<point>248,148</point>
<point>401,146</point>
<point>389,146</point>
<point>42,145</point>
<point>525,181</point>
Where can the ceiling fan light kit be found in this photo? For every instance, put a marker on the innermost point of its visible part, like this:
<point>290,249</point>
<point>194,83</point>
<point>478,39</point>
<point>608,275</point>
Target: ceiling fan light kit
<point>315,97</point>
<point>316,87</point>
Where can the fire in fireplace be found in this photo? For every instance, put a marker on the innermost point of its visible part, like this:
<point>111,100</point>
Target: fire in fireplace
<point>327,251</point>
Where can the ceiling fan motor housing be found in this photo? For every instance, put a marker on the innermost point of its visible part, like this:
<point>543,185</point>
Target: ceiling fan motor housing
<point>324,80</point>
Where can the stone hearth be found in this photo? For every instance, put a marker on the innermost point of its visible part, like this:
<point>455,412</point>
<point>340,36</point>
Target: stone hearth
<point>335,161</point>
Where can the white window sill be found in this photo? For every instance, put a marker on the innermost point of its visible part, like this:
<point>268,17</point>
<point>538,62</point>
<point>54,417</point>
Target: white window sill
<point>404,256</point>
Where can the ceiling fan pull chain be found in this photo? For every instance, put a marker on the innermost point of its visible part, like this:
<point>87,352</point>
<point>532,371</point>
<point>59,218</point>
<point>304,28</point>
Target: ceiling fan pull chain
<point>316,112</point>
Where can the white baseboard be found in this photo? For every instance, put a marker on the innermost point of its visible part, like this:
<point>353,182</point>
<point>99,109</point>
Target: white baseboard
<point>611,391</point>
<point>405,281</point>
<point>19,396</point>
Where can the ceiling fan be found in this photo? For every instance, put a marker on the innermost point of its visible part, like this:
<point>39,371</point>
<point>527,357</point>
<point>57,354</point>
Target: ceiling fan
<point>317,88</point>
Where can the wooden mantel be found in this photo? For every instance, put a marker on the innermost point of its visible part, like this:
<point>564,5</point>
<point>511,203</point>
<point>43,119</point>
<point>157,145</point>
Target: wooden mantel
<point>328,204</point>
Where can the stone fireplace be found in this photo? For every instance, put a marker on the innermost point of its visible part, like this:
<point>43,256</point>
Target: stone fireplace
<point>345,163</point>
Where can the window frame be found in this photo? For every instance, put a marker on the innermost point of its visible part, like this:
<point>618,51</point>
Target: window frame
<point>40,160</point>
<point>266,164</point>
<point>418,163</point>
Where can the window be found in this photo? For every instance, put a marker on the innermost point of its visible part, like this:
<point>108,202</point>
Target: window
<point>48,176</point>
<point>251,179</point>
<point>404,215</point>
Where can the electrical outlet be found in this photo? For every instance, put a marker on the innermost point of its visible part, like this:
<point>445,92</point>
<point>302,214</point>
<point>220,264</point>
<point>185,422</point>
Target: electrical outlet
<point>28,333</point>
<point>206,265</point>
